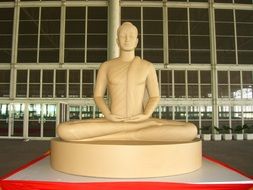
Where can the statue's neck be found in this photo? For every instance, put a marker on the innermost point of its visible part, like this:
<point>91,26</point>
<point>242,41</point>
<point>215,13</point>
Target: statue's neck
<point>127,56</point>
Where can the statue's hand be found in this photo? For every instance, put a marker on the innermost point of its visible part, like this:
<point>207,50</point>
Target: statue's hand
<point>137,118</point>
<point>115,118</point>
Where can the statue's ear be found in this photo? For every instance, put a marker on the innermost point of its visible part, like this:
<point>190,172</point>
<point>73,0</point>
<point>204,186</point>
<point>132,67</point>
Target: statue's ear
<point>117,41</point>
<point>137,40</point>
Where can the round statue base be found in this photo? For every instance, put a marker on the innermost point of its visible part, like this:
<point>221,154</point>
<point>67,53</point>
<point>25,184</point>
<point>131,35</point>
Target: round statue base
<point>126,159</point>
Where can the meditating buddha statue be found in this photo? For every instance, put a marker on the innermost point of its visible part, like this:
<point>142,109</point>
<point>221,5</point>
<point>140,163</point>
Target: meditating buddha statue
<point>134,94</point>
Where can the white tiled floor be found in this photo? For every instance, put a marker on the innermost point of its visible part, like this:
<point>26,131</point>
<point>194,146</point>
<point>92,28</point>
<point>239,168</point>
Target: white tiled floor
<point>209,173</point>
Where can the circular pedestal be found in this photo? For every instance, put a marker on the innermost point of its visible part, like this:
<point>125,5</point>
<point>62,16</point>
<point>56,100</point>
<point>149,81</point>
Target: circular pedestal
<point>125,159</point>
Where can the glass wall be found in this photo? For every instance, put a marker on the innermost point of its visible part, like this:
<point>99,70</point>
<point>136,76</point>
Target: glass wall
<point>6,29</point>
<point>51,52</point>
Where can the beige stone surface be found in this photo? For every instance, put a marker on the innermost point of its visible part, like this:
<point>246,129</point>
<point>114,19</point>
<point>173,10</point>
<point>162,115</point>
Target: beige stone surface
<point>134,94</point>
<point>126,159</point>
<point>127,142</point>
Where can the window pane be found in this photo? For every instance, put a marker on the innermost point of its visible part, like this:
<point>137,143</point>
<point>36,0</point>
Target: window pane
<point>97,26</point>
<point>47,90</point>
<point>48,76</point>
<point>60,90</point>
<point>28,35</point>
<point>247,77</point>
<point>179,76</point>
<point>49,31</point>
<point>6,24</point>
<point>74,76</point>
<point>192,77</point>
<point>206,91</point>
<point>4,76</point>
<point>223,91</point>
<point>205,77</point>
<point>34,76</point>
<point>75,34</point>
<point>193,91</point>
<point>22,76</point>
<point>235,77</point>
<point>61,76</point>
<point>166,112</point>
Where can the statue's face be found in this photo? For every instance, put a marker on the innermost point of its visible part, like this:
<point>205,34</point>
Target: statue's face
<point>127,38</point>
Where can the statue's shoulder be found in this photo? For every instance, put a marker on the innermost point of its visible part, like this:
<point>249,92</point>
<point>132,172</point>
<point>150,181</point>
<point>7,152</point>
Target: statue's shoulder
<point>146,63</point>
<point>111,61</point>
<point>105,65</point>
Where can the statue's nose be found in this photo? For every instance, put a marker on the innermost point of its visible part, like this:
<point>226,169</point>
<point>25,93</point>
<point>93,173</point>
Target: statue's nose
<point>127,38</point>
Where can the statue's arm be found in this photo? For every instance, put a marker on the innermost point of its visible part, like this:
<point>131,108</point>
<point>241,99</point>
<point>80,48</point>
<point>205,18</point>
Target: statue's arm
<point>153,90</point>
<point>100,89</point>
<point>99,92</point>
<point>154,97</point>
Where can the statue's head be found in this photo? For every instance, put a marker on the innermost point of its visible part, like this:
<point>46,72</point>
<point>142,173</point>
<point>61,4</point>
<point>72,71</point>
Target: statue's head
<point>127,37</point>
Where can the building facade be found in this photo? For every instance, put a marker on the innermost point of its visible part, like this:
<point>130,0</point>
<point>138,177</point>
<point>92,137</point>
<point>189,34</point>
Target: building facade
<point>50,52</point>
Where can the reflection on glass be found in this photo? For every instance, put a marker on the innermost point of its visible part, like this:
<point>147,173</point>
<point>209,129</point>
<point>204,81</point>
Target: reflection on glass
<point>166,83</point>
<point>98,113</point>
<point>193,112</point>
<point>87,112</point>
<point>180,112</point>
<point>248,112</point>
<point>17,118</point>
<point>34,124</point>
<point>166,112</point>
<point>156,113</point>
<point>74,112</point>
<point>49,120</point>
<point>88,80</point>
<point>4,119</point>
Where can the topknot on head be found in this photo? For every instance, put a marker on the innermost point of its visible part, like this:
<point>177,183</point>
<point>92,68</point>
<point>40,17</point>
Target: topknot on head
<point>125,24</point>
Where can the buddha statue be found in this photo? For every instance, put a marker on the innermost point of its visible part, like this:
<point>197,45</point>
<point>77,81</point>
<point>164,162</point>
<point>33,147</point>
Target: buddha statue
<point>134,94</point>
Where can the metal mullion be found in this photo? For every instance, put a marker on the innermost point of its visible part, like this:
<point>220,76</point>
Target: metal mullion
<point>165,35</point>
<point>28,83</point>
<point>186,83</point>
<point>141,31</point>
<point>54,82</point>
<point>80,111</point>
<point>85,34</point>
<point>189,35</point>
<point>62,33</point>
<point>241,84</point>
<point>213,55</point>
<point>41,73</point>
<point>39,3</point>
<point>86,3</point>
<point>173,84</point>
<point>160,82</point>
<point>173,112</point>
<point>235,37</point>
<point>13,74</point>
<point>81,83</point>
<point>41,120</point>
<point>200,119</point>
<point>199,84</point>
<point>230,118</point>
<point>67,83</point>
<point>235,6</point>
<point>186,113</point>
<point>229,86</point>
<point>38,39</point>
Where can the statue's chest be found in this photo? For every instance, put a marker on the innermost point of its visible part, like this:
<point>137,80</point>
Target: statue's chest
<point>122,74</point>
